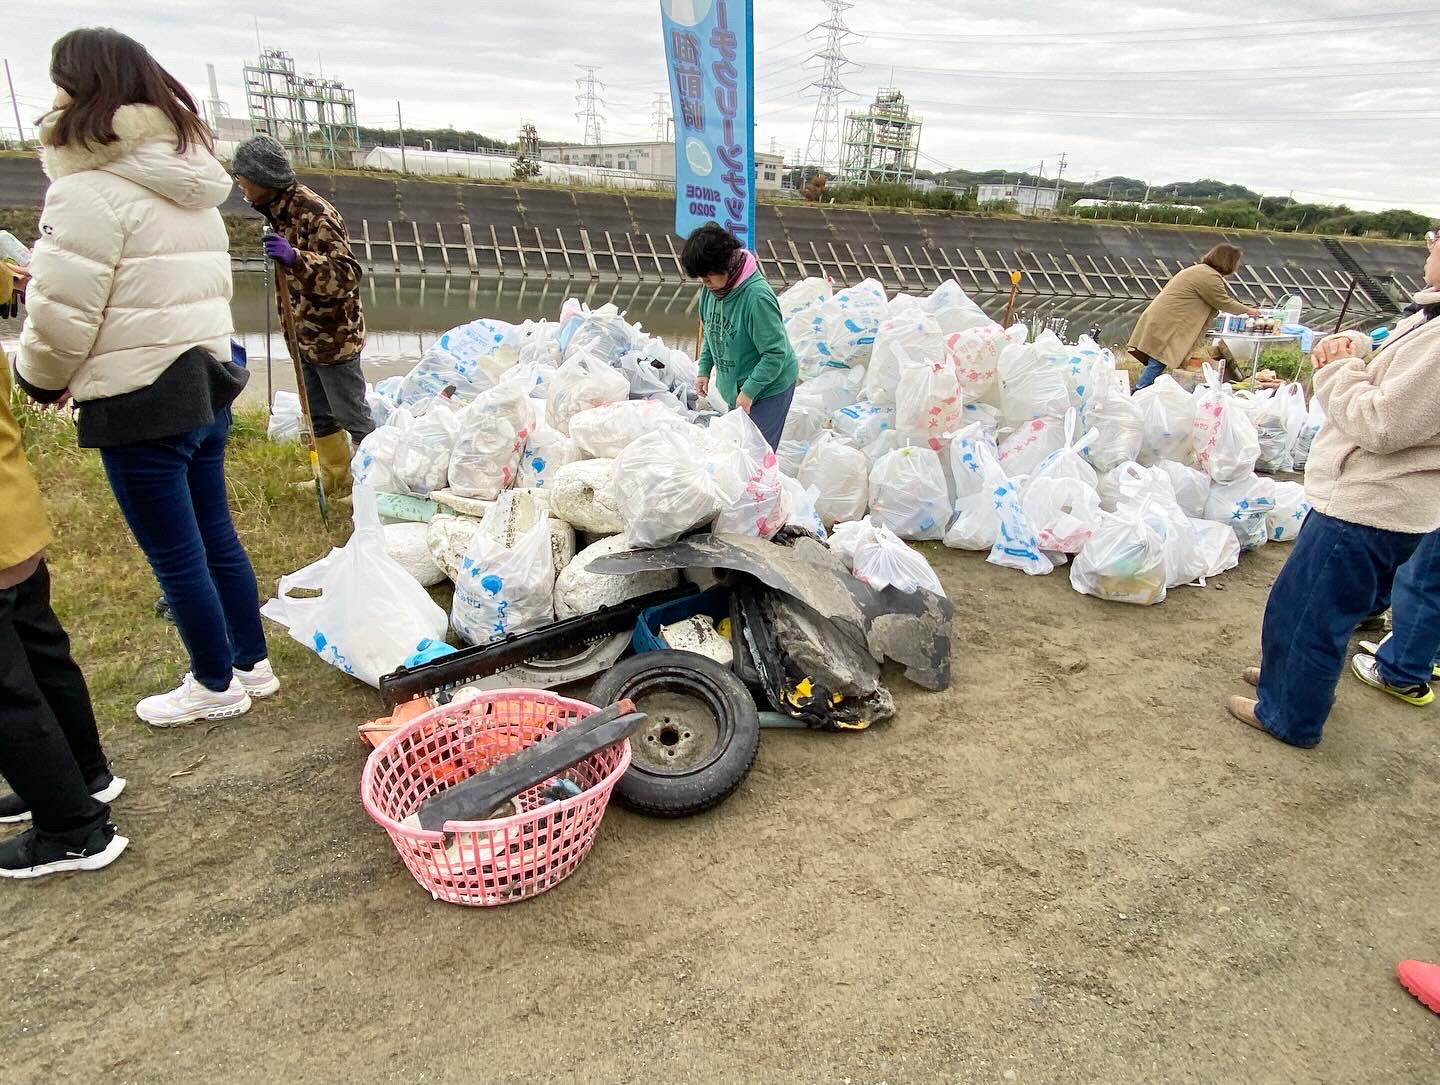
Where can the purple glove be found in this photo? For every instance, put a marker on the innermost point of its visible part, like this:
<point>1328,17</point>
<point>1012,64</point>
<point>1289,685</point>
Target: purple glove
<point>277,248</point>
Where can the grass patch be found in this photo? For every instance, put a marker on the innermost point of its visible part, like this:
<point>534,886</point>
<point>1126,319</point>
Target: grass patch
<point>104,589</point>
<point>1287,361</point>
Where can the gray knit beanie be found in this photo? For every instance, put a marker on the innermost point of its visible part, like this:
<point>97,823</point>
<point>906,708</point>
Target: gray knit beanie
<point>261,159</point>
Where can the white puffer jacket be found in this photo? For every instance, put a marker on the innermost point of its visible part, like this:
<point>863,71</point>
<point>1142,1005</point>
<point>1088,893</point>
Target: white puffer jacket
<point>132,268</point>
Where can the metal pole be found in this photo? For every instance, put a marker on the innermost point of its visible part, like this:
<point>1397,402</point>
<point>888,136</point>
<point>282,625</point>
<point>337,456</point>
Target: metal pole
<point>1345,308</point>
<point>401,122</point>
<point>14,104</point>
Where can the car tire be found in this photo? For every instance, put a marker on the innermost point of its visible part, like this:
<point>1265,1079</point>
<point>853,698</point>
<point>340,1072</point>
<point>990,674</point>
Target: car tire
<point>700,740</point>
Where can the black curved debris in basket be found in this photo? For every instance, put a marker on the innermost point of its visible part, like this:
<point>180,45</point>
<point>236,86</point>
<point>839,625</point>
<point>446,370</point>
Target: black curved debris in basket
<point>473,799</point>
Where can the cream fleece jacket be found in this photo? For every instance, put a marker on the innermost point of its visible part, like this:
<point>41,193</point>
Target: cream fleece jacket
<point>1376,461</point>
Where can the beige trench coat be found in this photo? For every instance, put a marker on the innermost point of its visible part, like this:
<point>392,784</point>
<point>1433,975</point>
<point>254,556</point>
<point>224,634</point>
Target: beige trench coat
<point>1174,324</point>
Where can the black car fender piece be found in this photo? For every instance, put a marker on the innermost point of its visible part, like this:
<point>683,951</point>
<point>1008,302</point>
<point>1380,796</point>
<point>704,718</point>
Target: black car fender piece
<point>701,734</point>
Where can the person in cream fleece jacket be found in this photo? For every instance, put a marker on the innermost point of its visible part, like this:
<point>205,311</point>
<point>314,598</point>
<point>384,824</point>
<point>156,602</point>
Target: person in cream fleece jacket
<point>1373,481</point>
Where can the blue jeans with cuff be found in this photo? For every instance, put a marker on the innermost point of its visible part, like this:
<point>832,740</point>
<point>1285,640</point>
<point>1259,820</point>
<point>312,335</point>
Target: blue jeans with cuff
<point>769,415</point>
<point>1329,584</point>
<point>1408,656</point>
<point>172,494</point>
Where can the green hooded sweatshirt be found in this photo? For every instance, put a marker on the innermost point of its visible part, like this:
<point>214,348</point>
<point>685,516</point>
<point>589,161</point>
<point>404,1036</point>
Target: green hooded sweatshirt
<point>745,342</point>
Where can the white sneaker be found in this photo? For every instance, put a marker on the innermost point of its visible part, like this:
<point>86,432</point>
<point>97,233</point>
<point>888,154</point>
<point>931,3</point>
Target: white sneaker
<point>190,701</point>
<point>259,681</point>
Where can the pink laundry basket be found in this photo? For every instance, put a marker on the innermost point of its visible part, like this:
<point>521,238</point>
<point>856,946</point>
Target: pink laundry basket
<point>501,859</point>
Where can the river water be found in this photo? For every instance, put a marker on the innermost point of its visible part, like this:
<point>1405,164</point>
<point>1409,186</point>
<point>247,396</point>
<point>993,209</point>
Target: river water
<point>405,315</point>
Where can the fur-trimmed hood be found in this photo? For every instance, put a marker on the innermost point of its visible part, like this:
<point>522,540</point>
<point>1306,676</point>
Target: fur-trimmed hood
<point>143,152</point>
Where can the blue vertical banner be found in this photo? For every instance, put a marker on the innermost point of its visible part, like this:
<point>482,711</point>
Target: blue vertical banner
<point>709,49</point>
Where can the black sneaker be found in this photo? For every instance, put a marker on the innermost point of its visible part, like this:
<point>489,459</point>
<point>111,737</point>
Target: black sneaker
<point>162,610</point>
<point>1376,623</point>
<point>33,855</point>
<point>104,789</point>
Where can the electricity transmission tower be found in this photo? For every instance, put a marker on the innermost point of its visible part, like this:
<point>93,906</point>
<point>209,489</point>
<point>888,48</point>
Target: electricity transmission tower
<point>589,101</point>
<point>823,150</point>
<point>662,117</point>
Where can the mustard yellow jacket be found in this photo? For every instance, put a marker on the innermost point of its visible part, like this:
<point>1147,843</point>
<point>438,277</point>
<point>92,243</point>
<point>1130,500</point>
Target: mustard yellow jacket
<point>24,527</point>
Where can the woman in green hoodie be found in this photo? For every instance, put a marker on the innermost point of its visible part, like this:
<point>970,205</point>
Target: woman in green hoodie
<point>745,345</point>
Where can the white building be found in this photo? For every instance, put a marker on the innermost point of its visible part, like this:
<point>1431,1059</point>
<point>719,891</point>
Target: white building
<point>1028,199</point>
<point>653,160</point>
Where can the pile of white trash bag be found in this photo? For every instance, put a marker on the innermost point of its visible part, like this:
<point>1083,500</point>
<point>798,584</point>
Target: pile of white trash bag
<point>546,443</point>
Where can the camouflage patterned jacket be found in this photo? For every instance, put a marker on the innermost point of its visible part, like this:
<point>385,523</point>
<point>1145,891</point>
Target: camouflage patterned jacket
<point>324,284</point>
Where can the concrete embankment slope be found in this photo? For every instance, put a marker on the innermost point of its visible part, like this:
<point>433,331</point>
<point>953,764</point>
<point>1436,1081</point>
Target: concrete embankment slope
<point>402,225</point>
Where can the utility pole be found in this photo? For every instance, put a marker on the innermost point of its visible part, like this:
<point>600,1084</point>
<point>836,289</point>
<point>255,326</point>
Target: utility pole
<point>401,122</point>
<point>14,104</point>
<point>1061,172</point>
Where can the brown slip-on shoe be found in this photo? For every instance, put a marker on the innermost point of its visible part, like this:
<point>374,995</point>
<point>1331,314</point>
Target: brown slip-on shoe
<point>1243,709</point>
<point>1251,675</point>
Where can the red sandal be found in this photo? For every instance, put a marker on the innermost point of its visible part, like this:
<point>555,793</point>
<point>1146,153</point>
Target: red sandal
<point>1421,980</point>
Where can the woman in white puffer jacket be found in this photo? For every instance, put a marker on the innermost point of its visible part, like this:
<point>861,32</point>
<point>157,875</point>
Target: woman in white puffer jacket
<point>129,317</point>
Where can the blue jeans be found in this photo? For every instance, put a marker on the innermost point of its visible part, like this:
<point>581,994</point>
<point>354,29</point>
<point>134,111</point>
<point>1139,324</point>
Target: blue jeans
<point>1153,371</point>
<point>172,493</point>
<point>1329,584</point>
<point>1410,653</point>
<point>769,415</point>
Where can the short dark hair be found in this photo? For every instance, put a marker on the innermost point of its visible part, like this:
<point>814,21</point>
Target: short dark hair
<point>709,251</point>
<point>103,69</point>
<point>1223,258</point>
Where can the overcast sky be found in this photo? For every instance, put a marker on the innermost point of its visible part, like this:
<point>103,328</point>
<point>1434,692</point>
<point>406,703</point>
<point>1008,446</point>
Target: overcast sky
<point>1314,99</point>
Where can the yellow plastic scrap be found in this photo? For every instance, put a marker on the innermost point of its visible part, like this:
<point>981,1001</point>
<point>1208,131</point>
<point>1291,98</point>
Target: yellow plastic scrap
<point>723,628</point>
<point>803,693</point>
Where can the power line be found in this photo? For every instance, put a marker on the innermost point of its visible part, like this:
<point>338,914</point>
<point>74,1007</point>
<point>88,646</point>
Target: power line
<point>1292,28</point>
<point>1233,75</point>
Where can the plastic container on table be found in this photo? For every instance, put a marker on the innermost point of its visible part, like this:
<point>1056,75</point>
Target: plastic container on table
<point>496,860</point>
<point>713,603</point>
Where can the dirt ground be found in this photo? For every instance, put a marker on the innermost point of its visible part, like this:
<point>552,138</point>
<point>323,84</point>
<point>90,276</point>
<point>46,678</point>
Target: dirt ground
<point>1070,867</point>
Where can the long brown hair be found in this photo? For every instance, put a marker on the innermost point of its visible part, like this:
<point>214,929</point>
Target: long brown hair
<point>103,69</point>
<point>1223,258</point>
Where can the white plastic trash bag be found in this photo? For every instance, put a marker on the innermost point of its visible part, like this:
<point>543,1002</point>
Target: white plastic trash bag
<point>373,464</point>
<point>1129,483</point>
<point>840,474</point>
<point>507,577</point>
<point>1168,414</point>
<point>1279,418</point>
<point>581,383</point>
<point>1217,548</point>
<point>1191,486</point>
<point>975,353</point>
<point>583,495</point>
<point>604,432</point>
<point>1032,385</point>
<point>909,494</point>
<point>1062,511</point>
<point>803,297</point>
<point>883,560</point>
<point>1284,521</point>
<point>421,459</point>
<point>1124,561</point>
<point>1029,445</point>
<point>546,451</point>
<point>1244,505</point>
<point>745,475</point>
<point>912,334</point>
<point>369,615</point>
<point>928,403</point>
<point>1067,461</point>
<point>1314,419</point>
<point>437,370</point>
<point>1118,423</point>
<point>800,506</point>
<point>862,423</point>
<point>493,430</point>
<point>1184,562</point>
<point>1226,444</point>
<point>286,422</point>
<point>1017,545</point>
<point>662,487</point>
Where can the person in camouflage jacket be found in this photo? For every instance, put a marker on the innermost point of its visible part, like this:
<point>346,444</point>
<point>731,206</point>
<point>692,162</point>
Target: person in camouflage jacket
<point>322,277</point>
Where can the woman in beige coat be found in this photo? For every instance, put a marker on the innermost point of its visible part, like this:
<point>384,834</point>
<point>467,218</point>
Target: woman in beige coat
<point>1173,325</point>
